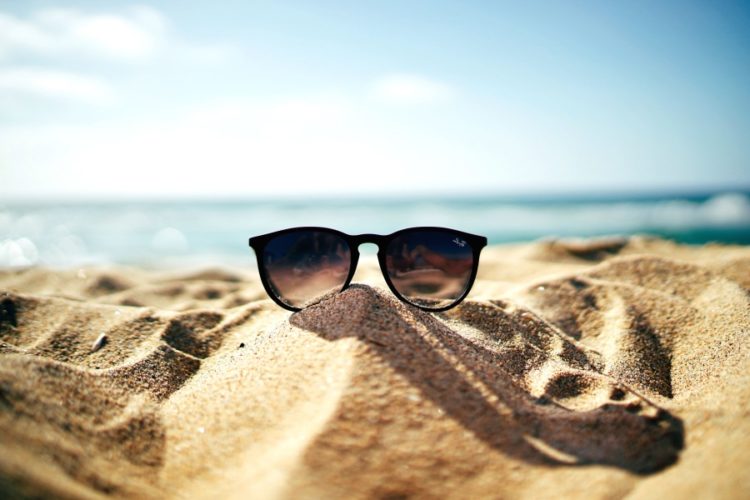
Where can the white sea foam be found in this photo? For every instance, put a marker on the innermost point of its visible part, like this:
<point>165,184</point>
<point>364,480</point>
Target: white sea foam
<point>170,240</point>
<point>20,252</point>
<point>730,208</point>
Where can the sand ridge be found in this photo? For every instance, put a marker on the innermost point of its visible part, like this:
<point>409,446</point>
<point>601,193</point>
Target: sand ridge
<point>605,368</point>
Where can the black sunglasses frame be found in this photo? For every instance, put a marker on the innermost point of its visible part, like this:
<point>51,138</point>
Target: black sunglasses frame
<point>258,244</point>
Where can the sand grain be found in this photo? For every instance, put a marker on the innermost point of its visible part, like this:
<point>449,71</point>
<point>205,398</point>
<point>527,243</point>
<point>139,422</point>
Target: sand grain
<point>602,369</point>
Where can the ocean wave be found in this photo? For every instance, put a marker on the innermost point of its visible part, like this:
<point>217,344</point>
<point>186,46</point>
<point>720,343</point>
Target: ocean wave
<point>63,235</point>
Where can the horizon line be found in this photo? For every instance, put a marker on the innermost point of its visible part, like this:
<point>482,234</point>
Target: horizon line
<point>584,194</point>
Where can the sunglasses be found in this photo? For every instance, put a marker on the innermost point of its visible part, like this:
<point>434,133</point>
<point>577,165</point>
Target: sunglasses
<point>432,268</point>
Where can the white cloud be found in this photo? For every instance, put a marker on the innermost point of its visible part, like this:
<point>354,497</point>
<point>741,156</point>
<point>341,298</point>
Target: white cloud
<point>300,144</point>
<point>137,34</point>
<point>37,51</point>
<point>16,34</point>
<point>40,82</point>
<point>410,89</point>
<point>134,35</point>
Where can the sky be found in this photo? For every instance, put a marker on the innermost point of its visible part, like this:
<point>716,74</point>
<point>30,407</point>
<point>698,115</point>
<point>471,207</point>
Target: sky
<point>248,99</point>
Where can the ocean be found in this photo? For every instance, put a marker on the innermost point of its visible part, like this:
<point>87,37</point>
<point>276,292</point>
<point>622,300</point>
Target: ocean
<point>204,232</point>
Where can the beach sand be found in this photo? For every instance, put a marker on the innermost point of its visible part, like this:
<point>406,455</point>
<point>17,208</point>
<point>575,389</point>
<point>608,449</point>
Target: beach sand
<point>599,369</point>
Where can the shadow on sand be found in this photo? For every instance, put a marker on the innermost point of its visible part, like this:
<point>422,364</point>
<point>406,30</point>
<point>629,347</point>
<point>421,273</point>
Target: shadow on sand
<point>484,388</point>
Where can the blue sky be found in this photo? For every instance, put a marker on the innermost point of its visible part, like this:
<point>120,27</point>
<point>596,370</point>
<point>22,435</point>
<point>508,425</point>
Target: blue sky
<point>171,99</point>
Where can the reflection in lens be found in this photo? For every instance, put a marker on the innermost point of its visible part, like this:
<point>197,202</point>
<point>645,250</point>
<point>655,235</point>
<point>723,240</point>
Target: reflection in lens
<point>304,266</point>
<point>430,268</point>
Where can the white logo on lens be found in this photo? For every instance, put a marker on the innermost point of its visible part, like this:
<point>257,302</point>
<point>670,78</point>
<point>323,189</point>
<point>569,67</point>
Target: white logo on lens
<point>460,243</point>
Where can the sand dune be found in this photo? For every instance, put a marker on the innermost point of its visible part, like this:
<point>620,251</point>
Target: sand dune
<point>609,368</point>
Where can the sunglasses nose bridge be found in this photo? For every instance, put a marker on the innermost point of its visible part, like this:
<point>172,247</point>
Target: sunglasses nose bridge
<point>370,254</point>
<point>361,239</point>
<point>366,238</point>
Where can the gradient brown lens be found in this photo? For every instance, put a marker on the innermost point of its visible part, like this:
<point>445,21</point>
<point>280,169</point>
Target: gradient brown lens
<point>430,268</point>
<point>304,266</point>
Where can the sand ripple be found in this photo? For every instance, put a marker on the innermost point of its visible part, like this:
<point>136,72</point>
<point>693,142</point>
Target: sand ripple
<point>587,368</point>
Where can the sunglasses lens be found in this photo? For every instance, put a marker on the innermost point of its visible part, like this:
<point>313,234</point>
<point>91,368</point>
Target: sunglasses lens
<point>430,268</point>
<point>304,266</point>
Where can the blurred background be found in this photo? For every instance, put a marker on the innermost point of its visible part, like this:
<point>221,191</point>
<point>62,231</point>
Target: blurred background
<point>168,133</point>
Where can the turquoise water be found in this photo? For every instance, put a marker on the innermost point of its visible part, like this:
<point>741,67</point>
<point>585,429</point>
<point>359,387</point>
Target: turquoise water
<point>174,233</point>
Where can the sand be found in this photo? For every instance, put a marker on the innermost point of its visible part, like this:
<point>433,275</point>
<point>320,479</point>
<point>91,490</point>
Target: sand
<point>599,369</point>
